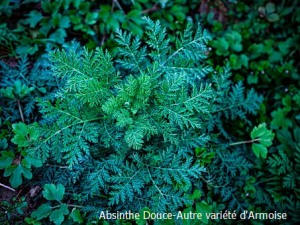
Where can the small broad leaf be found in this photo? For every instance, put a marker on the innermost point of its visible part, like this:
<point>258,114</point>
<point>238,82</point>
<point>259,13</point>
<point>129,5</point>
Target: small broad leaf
<point>21,141</point>
<point>16,176</point>
<point>195,196</point>
<point>33,131</point>
<point>58,36</point>
<point>202,207</point>
<point>26,49</point>
<point>21,90</point>
<point>256,50</point>
<point>34,162</point>
<point>3,143</point>
<point>57,215</point>
<point>260,150</point>
<point>189,221</point>
<point>43,90</point>
<point>52,192</point>
<point>64,22</point>
<point>5,162</point>
<point>41,212</point>
<point>21,131</point>
<point>270,7</point>
<point>7,159</point>
<point>91,18</point>
<point>76,216</point>
<point>221,45</point>
<point>284,46</point>
<point>262,10</point>
<point>273,17</point>
<point>34,18</point>
<point>244,60</point>
<point>275,56</point>
<point>24,133</point>
<point>8,92</point>
<point>20,128</point>
<point>25,163</point>
<point>280,119</point>
<point>142,220</point>
<point>264,136</point>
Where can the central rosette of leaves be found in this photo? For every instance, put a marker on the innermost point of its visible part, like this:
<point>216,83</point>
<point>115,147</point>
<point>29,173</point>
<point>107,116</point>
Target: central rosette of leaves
<point>129,127</point>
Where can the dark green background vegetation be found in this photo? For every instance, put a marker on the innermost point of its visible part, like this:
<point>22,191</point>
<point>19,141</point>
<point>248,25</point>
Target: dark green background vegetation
<point>251,153</point>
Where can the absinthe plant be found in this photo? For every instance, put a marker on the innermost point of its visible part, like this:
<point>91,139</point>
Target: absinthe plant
<point>128,129</point>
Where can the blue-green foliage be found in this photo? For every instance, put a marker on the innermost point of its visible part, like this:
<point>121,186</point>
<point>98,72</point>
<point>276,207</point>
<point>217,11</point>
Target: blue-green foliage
<point>39,77</point>
<point>127,129</point>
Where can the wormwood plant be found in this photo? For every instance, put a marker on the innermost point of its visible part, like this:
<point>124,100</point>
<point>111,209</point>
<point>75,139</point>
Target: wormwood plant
<point>127,129</point>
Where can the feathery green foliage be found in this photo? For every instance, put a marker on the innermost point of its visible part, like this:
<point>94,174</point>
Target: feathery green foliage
<point>130,129</point>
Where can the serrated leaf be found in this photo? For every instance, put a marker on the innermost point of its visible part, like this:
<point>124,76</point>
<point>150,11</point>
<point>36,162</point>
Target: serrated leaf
<point>26,49</point>
<point>64,22</point>
<point>264,136</point>
<point>141,220</point>
<point>16,176</point>
<point>58,36</point>
<point>256,50</point>
<point>8,92</point>
<point>260,150</point>
<point>33,162</point>
<point>76,216</point>
<point>189,221</point>
<point>42,212</point>
<point>9,171</point>
<point>20,128</point>
<point>8,154</point>
<point>33,131</point>
<point>280,119</point>
<point>34,18</point>
<point>202,207</point>
<point>25,163</point>
<point>135,29</point>
<point>52,192</point>
<point>57,215</point>
<point>221,45</point>
<point>3,142</point>
<point>5,162</point>
<point>91,18</point>
<point>196,195</point>
<point>21,131</point>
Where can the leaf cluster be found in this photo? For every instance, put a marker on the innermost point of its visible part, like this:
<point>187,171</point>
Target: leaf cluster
<point>127,131</point>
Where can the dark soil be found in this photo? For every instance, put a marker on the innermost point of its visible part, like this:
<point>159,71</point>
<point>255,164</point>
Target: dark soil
<point>7,195</point>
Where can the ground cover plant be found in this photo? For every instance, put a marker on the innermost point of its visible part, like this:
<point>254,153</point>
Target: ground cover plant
<point>92,22</point>
<point>157,119</point>
<point>259,48</point>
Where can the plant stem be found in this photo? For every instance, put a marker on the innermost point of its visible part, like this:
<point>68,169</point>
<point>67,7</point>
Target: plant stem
<point>244,142</point>
<point>61,167</point>
<point>154,8</point>
<point>75,206</point>
<point>103,38</point>
<point>9,188</point>
<point>119,6</point>
<point>20,110</point>
<point>209,184</point>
